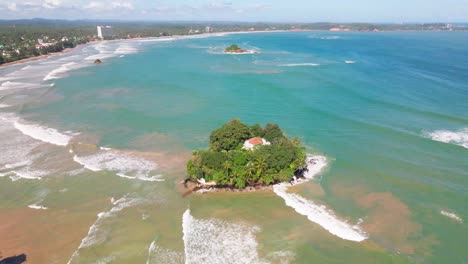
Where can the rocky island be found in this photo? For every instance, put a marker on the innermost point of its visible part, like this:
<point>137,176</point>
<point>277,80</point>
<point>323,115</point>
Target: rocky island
<point>235,49</point>
<point>242,156</point>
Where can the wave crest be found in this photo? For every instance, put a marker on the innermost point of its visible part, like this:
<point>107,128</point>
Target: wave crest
<point>318,213</point>
<point>459,137</point>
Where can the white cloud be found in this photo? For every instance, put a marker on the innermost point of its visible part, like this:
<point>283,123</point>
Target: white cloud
<point>105,5</point>
<point>125,5</point>
<point>12,6</point>
<point>94,5</point>
<point>50,4</point>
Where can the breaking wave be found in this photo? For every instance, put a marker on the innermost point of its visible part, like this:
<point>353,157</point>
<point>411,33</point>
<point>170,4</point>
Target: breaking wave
<point>216,241</point>
<point>95,234</point>
<point>44,134</point>
<point>59,72</point>
<point>37,207</point>
<point>452,215</point>
<point>125,166</point>
<point>299,65</point>
<point>125,49</point>
<point>459,137</point>
<point>157,254</point>
<point>318,213</point>
<point>8,85</point>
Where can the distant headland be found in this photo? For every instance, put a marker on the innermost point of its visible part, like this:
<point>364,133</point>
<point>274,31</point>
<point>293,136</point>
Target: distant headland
<point>242,156</point>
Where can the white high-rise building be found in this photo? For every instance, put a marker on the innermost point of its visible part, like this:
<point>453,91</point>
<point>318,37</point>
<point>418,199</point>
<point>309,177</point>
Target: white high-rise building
<point>208,29</point>
<point>104,31</point>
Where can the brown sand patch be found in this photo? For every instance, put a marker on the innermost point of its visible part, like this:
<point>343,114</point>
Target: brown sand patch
<point>309,189</point>
<point>45,236</point>
<point>388,221</point>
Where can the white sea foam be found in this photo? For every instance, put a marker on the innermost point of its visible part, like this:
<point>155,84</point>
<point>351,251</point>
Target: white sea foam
<point>105,260</point>
<point>318,213</point>
<point>17,153</point>
<point>4,105</point>
<point>157,254</point>
<point>349,62</point>
<point>216,241</point>
<point>105,148</point>
<point>459,137</point>
<point>95,234</point>
<point>126,49</point>
<point>27,173</point>
<point>157,39</point>
<point>126,166</point>
<point>59,72</point>
<point>37,207</point>
<point>330,37</point>
<point>242,53</point>
<point>100,56</point>
<point>452,215</point>
<point>44,134</point>
<point>307,64</point>
<point>8,85</point>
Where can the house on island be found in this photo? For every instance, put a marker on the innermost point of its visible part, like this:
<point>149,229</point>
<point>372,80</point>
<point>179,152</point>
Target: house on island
<point>250,144</point>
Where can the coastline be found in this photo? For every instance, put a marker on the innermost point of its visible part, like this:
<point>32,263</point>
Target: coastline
<point>166,38</point>
<point>315,164</point>
<point>40,57</point>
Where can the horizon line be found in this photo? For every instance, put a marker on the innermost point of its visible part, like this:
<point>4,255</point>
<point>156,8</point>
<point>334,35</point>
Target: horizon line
<point>229,21</point>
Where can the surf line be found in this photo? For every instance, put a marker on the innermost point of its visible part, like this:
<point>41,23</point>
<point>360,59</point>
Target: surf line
<point>318,213</point>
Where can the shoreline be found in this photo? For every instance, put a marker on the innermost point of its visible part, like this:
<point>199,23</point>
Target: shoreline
<point>40,57</point>
<point>202,35</point>
<point>189,186</point>
<point>166,38</point>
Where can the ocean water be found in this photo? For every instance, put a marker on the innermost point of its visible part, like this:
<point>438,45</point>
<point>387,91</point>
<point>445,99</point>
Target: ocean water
<point>91,156</point>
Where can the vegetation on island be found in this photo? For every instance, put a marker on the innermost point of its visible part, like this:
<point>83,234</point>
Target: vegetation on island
<point>228,164</point>
<point>234,48</point>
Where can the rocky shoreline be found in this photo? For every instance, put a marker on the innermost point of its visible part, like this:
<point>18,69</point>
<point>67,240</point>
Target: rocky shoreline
<point>200,187</point>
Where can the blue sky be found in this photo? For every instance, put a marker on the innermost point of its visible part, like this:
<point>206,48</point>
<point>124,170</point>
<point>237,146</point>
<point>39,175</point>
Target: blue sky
<point>397,11</point>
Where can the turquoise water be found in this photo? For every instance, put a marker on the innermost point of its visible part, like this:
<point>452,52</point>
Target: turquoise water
<point>389,111</point>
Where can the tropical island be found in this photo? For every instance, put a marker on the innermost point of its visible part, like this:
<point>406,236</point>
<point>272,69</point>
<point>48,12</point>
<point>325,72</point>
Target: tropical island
<point>241,156</point>
<point>234,48</point>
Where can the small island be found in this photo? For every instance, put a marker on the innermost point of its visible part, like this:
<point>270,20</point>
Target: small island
<point>242,156</point>
<point>234,48</point>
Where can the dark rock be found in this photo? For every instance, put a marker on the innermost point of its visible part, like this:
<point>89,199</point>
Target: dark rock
<point>14,260</point>
<point>98,61</point>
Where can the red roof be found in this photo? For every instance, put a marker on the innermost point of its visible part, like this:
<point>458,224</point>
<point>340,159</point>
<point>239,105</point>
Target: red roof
<point>255,141</point>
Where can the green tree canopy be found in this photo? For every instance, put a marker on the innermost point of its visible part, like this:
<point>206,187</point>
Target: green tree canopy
<point>233,47</point>
<point>228,164</point>
<point>229,136</point>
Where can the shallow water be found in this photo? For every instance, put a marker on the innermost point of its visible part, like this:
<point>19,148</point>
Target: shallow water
<point>91,155</point>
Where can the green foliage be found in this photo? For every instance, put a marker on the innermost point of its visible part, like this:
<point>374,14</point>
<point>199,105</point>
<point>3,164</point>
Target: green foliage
<point>229,136</point>
<point>272,133</point>
<point>228,164</point>
<point>257,130</point>
<point>233,47</point>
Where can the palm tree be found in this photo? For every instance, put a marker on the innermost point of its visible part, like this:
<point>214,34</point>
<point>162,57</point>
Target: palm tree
<point>261,166</point>
<point>250,172</point>
<point>227,166</point>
